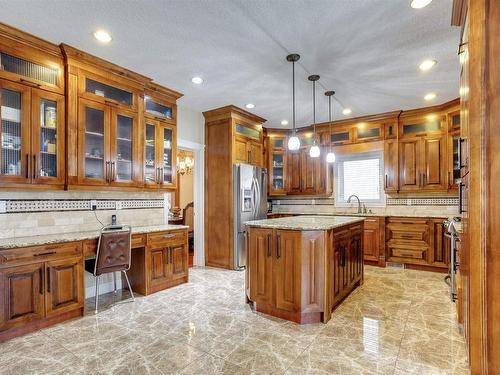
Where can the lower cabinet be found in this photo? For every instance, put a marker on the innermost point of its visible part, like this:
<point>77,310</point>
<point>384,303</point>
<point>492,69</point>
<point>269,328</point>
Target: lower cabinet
<point>374,240</point>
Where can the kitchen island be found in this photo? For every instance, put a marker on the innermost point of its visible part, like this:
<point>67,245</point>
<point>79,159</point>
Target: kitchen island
<point>300,268</point>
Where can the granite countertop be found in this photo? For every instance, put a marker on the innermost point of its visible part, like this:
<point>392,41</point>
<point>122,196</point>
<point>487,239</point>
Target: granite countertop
<point>14,242</point>
<point>305,222</point>
<point>372,214</point>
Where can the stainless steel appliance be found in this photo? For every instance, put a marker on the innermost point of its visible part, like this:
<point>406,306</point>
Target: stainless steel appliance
<point>451,233</point>
<point>250,203</point>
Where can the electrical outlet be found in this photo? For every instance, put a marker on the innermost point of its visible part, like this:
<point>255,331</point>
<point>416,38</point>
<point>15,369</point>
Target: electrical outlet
<point>93,205</point>
<point>118,205</point>
<point>3,207</point>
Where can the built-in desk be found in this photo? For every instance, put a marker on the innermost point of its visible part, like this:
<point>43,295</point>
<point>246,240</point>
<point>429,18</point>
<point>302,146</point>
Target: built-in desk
<point>42,277</point>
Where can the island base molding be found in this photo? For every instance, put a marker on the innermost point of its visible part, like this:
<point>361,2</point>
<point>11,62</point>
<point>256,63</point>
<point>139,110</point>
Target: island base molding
<point>297,317</point>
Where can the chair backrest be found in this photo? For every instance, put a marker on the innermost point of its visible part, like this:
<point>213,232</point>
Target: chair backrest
<point>113,250</point>
<point>188,216</point>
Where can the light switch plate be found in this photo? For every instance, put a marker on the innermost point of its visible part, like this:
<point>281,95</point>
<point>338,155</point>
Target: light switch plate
<point>93,205</point>
<point>3,207</point>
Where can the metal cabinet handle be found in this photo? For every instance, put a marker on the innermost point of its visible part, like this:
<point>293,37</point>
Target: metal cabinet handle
<point>113,171</point>
<point>106,172</point>
<point>28,168</point>
<point>278,247</point>
<point>460,197</point>
<point>48,279</point>
<point>385,181</point>
<point>44,254</point>
<point>42,280</point>
<point>423,179</point>
<point>169,236</point>
<point>268,245</point>
<point>249,156</point>
<point>35,169</point>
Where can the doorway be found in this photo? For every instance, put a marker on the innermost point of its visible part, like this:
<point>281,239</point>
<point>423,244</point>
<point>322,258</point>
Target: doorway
<point>187,200</point>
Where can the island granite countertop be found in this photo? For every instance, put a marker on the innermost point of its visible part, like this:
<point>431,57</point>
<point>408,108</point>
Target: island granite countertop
<point>313,222</point>
<point>15,242</point>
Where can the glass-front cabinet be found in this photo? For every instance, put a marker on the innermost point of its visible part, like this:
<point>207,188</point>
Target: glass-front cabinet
<point>107,146</point>
<point>159,154</point>
<point>31,135</point>
<point>277,165</point>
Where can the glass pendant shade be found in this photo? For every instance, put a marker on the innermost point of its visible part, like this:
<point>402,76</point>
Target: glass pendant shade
<point>293,143</point>
<point>330,157</point>
<point>314,152</point>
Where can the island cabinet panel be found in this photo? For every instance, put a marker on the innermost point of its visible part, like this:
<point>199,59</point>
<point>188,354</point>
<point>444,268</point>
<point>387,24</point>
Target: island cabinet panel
<point>313,271</point>
<point>287,269</point>
<point>22,293</point>
<point>260,255</point>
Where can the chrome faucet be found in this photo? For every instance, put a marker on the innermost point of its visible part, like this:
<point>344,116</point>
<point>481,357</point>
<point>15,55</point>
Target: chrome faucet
<point>359,202</point>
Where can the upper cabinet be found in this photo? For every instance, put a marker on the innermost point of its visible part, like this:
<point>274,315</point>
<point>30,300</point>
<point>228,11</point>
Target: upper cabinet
<point>121,126</point>
<point>277,163</point>
<point>32,112</point>
<point>248,143</point>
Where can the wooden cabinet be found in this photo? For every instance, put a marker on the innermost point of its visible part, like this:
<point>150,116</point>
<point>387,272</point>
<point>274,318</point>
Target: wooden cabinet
<point>287,269</point>
<point>64,285</point>
<point>248,144</point>
<point>32,136</point>
<point>261,246</point>
<point>391,166</point>
<point>417,241</point>
<point>179,261</point>
<point>306,175</point>
<point>423,164</point>
<point>374,240</point>
<point>22,295</point>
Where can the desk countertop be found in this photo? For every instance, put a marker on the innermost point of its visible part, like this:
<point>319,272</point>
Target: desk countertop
<point>14,242</point>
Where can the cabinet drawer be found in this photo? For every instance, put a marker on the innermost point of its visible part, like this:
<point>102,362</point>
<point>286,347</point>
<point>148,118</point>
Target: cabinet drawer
<point>89,248</point>
<point>138,240</point>
<point>408,235</point>
<point>408,253</point>
<point>40,253</point>
<point>165,238</point>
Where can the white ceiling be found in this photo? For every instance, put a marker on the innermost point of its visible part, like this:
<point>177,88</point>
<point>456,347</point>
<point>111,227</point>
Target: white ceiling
<point>368,51</point>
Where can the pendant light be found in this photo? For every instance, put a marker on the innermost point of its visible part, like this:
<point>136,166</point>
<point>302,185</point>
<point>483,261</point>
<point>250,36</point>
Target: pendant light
<point>293,141</point>
<point>314,151</point>
<point>330,157</point>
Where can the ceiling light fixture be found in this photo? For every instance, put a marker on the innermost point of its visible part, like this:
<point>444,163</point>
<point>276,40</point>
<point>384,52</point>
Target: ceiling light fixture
<point>284,122</point>
<point>250,105</point>
<point>314,151</point>
<point>197,80</point>
<point>427,65</point>
<point>419,4</point>
<point>346,111</point>
<point>293,141</point>
<point>103,36</point>
<point>430,96</point>
<point>330,157</point>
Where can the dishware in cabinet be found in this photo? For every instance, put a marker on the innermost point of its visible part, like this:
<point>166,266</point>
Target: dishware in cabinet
<point>160,150</point>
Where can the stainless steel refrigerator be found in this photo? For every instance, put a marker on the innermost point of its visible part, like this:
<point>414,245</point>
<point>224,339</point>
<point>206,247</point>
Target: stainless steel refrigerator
<point>250,203</point>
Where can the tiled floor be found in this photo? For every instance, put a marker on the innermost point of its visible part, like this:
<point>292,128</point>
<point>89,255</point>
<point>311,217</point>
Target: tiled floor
<point>398,322</point>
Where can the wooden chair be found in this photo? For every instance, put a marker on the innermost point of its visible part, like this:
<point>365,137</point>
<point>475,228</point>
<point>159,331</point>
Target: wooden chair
<point>113,255</point>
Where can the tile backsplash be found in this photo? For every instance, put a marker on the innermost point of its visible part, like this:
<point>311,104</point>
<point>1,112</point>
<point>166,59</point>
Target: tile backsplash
<point>38,213</point>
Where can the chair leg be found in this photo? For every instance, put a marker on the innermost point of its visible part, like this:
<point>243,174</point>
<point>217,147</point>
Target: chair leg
<point>114,280</point>
<point>129,287</point>
<point>96,292</point>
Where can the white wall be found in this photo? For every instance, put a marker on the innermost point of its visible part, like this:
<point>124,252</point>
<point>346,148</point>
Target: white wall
<point>190,125</point>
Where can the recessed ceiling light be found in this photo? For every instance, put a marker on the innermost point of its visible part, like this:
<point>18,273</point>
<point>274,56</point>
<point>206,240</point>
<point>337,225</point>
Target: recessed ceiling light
<point>347,111</point>
<point>284,122</point>
<point>427,64</point>
<point>419,4</point>
<point>197,80</point>
<point>250,105</point>
<point>102,36</point>
<point>430,96</point>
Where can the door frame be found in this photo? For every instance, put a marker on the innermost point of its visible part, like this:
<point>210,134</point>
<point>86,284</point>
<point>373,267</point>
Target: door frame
<point>198,151</point>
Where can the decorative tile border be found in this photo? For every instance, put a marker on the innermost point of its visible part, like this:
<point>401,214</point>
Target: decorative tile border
<point>37,205</point>
<point>422,201</point>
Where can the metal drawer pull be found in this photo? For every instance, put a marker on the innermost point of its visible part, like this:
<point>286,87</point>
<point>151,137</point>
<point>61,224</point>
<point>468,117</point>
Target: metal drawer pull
<point>169,236</point>
<point>44,254</point>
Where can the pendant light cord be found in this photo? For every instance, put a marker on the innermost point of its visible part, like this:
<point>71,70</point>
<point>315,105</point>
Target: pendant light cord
<point>314,110</point>
<point>293,96</point>
<point>330,122</point>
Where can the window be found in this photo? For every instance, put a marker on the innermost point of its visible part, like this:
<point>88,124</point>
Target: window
<point>362,175</point>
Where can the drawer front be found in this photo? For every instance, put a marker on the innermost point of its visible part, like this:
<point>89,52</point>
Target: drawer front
<point>413,232</point>
<point>40,253</point>
<point>160,239</point>
<point>408,254</point>
<point>371,224</point>
<point>138,240</point>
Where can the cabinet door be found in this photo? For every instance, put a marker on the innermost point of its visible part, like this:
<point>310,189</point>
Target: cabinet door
<point>22,295</point>
<point>433,159</point>
<point>356,255</point>
<point>124,166</point>
<point>15,136</point>
<point>278,170</point>
<point>371,237</point>
<point>336,275</point>
<point>287,270</point>
<point>409,166</point>
<point>179,261</point>
<point>47,144</point>
<point>260,265</point>
<point>241,150</point>
<point>64,285</point>
<point>323,175</point>
<point>308,172</point>
<point>440,256</point>
<point>255,153</point>
<point>391,166</point>
<point>160,269</point>
<point>168,153</point>
<point>151,159</point>
<point>94,165</point>
<point>294,172</point>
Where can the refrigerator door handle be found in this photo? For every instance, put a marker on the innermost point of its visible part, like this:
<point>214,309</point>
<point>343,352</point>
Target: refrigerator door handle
<point>257,204</point>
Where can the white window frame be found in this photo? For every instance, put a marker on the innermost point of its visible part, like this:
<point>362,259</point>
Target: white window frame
<point>339,199</point>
